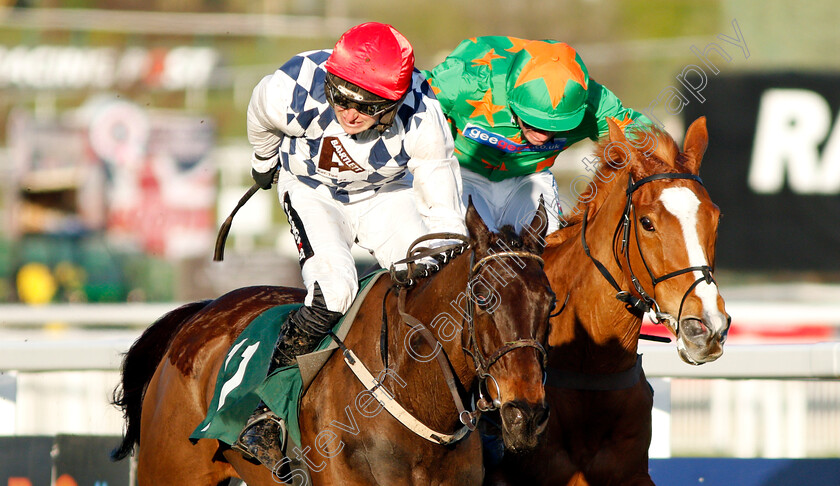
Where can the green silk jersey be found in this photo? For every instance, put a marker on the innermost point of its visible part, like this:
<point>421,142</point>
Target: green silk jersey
<point>470,85</point>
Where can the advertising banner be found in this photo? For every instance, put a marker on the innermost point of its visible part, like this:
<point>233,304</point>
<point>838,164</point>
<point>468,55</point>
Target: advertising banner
<point>143,176</point>
<point>25,461</point>
<point>773,167</point>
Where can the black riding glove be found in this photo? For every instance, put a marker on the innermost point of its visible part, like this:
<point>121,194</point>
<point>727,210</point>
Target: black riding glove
<point>265,179</point>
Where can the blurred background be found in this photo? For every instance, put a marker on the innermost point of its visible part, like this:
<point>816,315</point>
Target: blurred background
<point>122,149</point>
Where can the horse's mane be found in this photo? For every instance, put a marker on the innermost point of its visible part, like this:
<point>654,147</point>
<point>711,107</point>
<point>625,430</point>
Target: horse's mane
<point>658,154</point>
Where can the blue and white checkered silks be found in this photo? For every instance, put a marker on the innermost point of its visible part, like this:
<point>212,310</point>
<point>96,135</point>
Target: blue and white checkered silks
<point>289,116</point>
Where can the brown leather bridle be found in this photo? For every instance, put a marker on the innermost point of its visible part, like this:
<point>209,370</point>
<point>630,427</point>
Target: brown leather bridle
<point>482,362</point>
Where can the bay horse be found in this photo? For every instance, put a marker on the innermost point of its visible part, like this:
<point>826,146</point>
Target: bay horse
<point>487,312</point>
<point>642,238</point>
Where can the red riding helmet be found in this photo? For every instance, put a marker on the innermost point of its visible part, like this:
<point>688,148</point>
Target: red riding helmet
<point>375,57</point>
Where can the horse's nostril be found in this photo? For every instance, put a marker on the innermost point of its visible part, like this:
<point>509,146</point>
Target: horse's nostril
<point>693,327</point>
<point>540,416</point>
<point>512,414</point>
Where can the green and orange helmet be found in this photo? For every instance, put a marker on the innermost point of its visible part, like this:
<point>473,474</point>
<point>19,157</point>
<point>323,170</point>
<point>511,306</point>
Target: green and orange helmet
<point>546,86</point>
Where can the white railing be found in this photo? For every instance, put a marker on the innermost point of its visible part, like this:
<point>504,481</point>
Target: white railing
<point>768,400</point>
<point>130,314</point>
<point>748,361</point>
<point>745,313</point>
<point>81,350</point>
<point>744,361</point>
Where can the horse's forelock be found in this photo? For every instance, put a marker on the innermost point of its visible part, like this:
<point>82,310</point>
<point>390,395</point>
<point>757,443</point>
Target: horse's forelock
<point>666,150</point>
<point>507,235</point>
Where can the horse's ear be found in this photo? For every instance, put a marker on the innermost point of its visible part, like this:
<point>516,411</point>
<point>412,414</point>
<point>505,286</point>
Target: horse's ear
<point>478,231</point>
<point>619,150</point>
<point>533,235</point>
<point>616,133</point>
<point>696,141</point>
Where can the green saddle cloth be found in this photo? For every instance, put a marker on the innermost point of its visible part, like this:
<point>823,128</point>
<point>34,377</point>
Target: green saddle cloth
<point>242,380</point>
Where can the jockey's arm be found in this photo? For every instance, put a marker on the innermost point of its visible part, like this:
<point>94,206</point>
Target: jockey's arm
<point>437,175</point>
<point>266,119</point>
<point>608,105</point>
<point>437,192</point>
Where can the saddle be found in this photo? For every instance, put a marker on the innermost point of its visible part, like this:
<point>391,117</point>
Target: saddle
<point>242,381</point>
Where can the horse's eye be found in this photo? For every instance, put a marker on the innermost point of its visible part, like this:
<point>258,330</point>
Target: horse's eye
<point>646,223</point>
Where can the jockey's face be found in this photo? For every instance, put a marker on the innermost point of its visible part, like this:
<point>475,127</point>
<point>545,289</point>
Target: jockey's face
<point>352,121</point>
<point>533,135</point>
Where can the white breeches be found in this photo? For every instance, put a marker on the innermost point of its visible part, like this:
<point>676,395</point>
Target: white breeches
<point>513,201</point>
<point>325,230</point>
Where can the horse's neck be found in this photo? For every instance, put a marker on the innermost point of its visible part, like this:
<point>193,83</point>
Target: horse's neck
<point>595,332</point>
<point>433,301</point>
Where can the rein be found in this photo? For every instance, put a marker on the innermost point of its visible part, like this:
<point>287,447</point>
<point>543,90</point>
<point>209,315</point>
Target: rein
<point>482,363</point>
<point>647,302</point>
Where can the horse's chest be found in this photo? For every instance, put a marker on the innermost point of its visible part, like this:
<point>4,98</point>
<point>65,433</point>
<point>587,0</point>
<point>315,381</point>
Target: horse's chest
<point>400,459</point>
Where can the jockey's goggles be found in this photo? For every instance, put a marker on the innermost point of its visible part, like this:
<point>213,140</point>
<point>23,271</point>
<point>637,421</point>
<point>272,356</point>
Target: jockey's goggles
<point>343,97</point>
<point>519,120</point>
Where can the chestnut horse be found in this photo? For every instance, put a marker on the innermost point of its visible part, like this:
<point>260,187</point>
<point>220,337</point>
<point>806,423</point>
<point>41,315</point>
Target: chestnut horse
<point>489,309</point>
<point>643,238</point>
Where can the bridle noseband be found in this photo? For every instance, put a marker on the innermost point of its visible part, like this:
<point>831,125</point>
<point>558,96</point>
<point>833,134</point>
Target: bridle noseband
<point>647,302</point>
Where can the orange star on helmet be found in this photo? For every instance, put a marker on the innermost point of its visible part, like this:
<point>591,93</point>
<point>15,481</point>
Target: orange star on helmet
<point>553,63</point>
<point>518,44</point>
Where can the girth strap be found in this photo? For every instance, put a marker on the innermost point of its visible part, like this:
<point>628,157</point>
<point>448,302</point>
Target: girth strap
<point>595,382</point>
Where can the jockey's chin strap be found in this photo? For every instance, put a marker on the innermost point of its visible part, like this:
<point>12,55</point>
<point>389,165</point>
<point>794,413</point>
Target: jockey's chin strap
<point>645,303</point>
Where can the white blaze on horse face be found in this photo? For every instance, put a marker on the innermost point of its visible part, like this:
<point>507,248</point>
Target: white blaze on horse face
<point>683,204</point>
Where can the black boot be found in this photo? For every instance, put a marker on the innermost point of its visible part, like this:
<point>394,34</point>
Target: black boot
<point>302,331</point>
<point>262,437</point>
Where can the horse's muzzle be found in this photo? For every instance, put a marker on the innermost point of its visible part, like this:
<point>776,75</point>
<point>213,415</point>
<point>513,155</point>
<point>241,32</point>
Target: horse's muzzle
<point>700,340</point>
<point>523,424</point>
